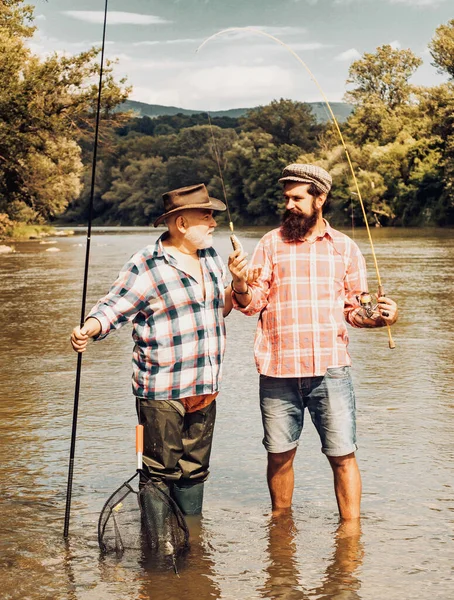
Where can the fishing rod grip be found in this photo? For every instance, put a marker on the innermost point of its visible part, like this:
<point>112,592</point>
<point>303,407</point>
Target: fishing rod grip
<point>139,445</point>
<point>236,244</point>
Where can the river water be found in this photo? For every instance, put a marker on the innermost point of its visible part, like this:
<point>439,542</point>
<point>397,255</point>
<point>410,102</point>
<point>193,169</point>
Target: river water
<point>403,547</point>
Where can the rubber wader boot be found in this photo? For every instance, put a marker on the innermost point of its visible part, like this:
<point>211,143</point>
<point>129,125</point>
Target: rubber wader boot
<point>156,515</point>
<point>189,497</point>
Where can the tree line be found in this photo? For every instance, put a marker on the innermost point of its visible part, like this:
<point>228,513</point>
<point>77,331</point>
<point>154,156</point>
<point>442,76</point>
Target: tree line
<point>400,138</point>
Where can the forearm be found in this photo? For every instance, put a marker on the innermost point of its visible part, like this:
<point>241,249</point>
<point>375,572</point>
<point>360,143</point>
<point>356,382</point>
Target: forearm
<point>243,294</point>
<point>92,327</point>
<point>228,304</point>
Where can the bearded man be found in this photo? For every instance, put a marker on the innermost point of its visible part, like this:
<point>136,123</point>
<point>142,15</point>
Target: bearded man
<point>175,294</point>
<point>311,279</point>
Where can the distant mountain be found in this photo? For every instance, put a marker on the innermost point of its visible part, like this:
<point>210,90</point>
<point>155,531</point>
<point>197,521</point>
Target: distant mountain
<point>341,110</point>
<point>157,110</point>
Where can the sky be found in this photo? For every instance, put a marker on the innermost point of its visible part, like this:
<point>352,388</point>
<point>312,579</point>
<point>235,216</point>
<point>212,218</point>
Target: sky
<point>156,42</point>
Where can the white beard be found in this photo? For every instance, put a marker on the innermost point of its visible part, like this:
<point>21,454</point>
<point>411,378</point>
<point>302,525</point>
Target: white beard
<point>199,239</point>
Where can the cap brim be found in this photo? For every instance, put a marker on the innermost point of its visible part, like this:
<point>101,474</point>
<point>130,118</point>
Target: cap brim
<point>297,179</point>
<point>214,204</point>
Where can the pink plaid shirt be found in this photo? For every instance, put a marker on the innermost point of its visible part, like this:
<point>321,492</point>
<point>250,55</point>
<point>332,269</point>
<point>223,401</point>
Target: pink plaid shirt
<point>305,295</point>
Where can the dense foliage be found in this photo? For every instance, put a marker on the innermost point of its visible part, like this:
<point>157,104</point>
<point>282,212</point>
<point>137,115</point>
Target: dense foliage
<point>46,110</point>
<point>400,139</point>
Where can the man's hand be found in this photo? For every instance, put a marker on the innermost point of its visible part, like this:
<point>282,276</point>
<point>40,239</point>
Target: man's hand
<point>385,314</point>
<point>81,335</point>
<point>388,310</point>
<point>239,269</point>
<point>253,274</point>
<point>241,275</point>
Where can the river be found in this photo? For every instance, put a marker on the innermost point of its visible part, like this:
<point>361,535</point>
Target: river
<point>403,547</point>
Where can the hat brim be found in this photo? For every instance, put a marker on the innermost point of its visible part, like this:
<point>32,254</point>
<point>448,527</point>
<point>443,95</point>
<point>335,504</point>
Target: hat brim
<point>295,179</point>
<point>213,204</point>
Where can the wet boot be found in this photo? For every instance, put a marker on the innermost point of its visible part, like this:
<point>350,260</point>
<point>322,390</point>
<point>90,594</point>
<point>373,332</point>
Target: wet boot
<point>188,497</point>
<point>156,515</point>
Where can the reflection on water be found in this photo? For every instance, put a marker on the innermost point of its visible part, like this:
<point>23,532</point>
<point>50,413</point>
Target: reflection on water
<point>285,576</point>
<point>238,551</point>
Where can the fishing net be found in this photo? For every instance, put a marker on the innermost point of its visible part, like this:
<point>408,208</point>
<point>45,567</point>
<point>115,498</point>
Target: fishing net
<point>145,519</point>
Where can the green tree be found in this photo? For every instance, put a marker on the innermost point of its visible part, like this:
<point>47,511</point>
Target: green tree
<point>254,165</point>
<point>135,197</point>
<point>383,76</point>
<point>288,122</point>
<point>45,106</point>
<point>442,48</point>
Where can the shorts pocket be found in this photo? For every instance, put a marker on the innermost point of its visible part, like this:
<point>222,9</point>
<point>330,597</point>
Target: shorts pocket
<point>338,372</point>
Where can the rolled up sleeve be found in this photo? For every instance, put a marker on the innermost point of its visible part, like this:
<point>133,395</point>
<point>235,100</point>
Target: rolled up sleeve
<point>260,289</point>
<point>355,284</point>
<point>124,301</point>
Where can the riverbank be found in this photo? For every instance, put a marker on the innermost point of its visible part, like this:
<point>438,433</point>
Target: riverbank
<point>21,232</point>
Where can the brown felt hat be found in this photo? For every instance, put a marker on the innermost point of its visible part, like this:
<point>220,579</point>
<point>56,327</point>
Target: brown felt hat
<point>307,174</point>
<point>192,196</point>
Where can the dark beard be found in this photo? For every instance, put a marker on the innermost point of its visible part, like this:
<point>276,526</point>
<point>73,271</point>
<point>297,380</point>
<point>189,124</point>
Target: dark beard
<point>295,226</point>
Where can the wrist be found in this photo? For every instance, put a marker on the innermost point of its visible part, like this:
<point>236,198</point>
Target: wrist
<point>92,327</point>
<point>241,288</point>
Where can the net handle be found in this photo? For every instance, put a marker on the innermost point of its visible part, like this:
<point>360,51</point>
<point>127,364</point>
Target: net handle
<point>139,445</point>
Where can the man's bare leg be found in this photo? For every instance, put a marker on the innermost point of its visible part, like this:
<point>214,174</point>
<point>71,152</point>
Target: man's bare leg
<point>347,485</point>
<point>281,478</point>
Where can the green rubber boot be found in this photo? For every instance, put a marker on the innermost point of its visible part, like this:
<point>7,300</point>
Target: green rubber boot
<point>189,497</point>
<point>155,516</point>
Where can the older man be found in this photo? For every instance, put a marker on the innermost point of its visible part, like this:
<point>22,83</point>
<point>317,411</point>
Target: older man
<point>174,293</point>
<point>311,278</point>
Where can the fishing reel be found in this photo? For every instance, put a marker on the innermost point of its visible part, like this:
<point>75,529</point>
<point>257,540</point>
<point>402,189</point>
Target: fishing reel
<point>369,305</point>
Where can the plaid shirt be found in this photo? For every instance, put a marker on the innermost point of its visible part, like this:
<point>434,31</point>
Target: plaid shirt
<point>179,336</point>
<point>305,294</point>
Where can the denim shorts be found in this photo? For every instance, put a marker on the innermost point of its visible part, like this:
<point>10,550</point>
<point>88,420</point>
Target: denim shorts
<point>331,403</point>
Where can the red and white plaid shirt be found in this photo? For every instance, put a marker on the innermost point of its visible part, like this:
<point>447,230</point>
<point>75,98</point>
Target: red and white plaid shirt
<point>305,294</point>
<point>179,331</point>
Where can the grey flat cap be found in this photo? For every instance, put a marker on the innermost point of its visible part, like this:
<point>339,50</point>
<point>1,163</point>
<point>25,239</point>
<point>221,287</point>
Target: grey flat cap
<point>308,174</point>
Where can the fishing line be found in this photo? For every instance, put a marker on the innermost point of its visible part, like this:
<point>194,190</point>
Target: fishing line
<point>84,292</point>
<point>336,124</point>
<point>235,241</point>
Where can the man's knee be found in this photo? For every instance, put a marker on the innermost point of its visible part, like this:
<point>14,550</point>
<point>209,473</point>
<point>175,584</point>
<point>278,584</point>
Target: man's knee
<point>342,462</point>
<point>281,460</point>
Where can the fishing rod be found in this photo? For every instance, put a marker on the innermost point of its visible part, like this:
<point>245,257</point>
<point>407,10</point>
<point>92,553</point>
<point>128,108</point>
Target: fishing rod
<point>236,244</point>
<point>84,292</point>
<point>391,343</point>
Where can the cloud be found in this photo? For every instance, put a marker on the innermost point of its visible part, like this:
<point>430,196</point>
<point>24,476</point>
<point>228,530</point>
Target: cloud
<point>217,87</point>
<point>395,45</point>
<point>44,46</point>
<point>280,30</point>
<point>40,18</point>
<point>309,46</point>
<point>415,3</point>
<point>115,17</point>
<point>422,3</point>
<point>237,82</point>
<point>142,65</point>
<point>348,55</point>
<point>170,42</point>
